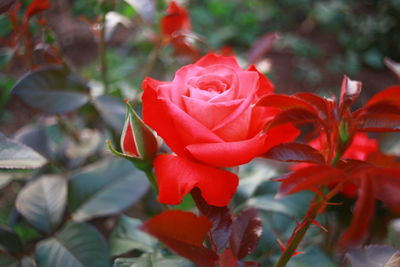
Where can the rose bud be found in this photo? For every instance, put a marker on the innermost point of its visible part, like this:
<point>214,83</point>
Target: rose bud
<point>137,139</point>
<point>138,142</point>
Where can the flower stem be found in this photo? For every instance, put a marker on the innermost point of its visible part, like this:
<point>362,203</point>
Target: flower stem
<point>151,60</point>
<point>102,54</point>
<point>300,231</point>
<point>152,179</point>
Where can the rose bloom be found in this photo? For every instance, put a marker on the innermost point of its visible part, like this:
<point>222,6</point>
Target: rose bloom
<point>207,116</point>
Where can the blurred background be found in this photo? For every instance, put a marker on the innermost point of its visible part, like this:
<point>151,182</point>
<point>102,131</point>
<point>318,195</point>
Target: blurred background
<point>319,42</point>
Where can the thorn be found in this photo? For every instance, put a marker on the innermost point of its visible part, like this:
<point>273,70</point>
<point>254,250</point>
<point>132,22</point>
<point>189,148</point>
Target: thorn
<point>283,248</point>
<point>320,226</point>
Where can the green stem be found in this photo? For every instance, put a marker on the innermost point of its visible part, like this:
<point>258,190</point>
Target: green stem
<point>102,54</point>
<point>152,179</point>
<point>151,60</point>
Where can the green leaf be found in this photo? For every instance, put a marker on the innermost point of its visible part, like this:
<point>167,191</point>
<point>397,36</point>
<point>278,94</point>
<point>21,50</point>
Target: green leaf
<point>52,90</point>
<point>127,236</point>
<point>42,202</point>
<point>254,174</point>
<point>150,260</point>
<point>78,244</point>
<point>292,205</point>
<point>371,256</point>
<point>9,240</point>
<point>105,188</point>
<point>393,236</point>
<point>14,155</point>
<point>8,261</point>
<point>112,110</point>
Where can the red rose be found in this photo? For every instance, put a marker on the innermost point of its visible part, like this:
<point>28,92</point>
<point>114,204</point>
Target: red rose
<point>176,29</point>
<point>206,115</point>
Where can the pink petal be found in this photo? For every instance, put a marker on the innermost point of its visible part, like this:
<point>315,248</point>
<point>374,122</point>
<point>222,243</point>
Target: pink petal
<point>209,114</point>
<point>170,122</point>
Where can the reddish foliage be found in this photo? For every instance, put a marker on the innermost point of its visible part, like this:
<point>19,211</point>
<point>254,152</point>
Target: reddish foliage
<point>35,7</point>
<point>309,178</point>
<point>295,152</point>
<point>184,233</point>
<point>220,218</point>
<point>262,46</point>
<point>176,29</point>
<point>246,231</point>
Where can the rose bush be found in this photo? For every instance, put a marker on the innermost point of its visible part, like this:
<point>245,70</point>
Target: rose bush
<point>207,116</point>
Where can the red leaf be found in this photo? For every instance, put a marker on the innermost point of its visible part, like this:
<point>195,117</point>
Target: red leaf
<point>35,7</point>
<point>286,102</point>
<point>382,107</point>
<point>220,218</point>
<point>309,178</point>
<point>184,233</point>
<point>262,46</point>
<point>349,92</point>
<point>246,231</point>
<point>320,104</point>
<point>227,258</point>
<point>389,96</point>
<point>362,216</point>
<point>294,110</point>
<point>295,152</point>
<point>379,159</point>
<point>380,122</point>
<point>387,186</point>
<point>294,116</point>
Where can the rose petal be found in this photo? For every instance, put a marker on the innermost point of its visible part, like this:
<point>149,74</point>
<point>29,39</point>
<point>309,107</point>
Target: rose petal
<point>177,88</point>
<point>265,87</point>
<point>247,88</point>
<point>230,154</point>
<point>211,59</point>
<point>175,126</point>
<point>177,176</point>
<point>237,129</point>
<point>209,114</point>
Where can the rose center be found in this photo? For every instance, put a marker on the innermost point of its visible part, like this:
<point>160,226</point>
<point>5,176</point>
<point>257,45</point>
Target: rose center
<point>212,83</point>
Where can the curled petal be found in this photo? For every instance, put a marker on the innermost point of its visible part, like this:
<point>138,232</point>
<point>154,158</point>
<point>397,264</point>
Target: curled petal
<point>177,176</point>
<point>229,154</point>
